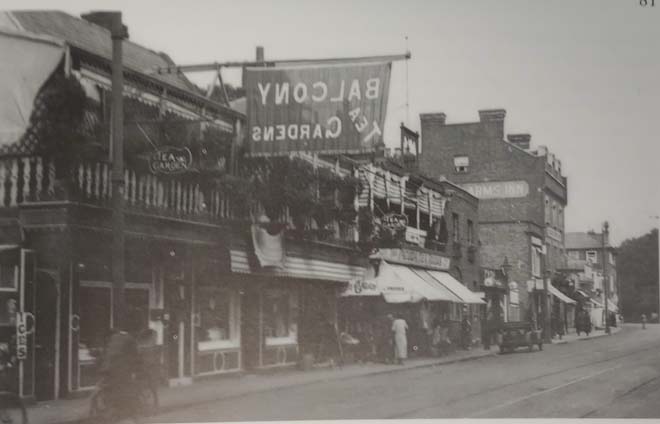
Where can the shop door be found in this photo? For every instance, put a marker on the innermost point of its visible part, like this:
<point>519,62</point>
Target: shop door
<point>177,349</point>
<point>47,301</point>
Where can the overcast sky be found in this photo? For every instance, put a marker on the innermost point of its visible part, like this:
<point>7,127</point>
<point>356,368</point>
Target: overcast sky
<point>582,77</point>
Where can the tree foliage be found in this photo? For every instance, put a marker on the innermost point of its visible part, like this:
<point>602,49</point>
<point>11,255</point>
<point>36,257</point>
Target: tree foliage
<point>637,270</point>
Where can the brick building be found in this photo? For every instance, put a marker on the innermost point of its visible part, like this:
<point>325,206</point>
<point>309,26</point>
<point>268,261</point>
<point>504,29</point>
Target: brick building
<point>522,194</point>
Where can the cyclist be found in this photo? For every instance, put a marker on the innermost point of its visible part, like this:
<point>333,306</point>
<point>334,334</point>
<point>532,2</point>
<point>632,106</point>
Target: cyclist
<point>121,361</point>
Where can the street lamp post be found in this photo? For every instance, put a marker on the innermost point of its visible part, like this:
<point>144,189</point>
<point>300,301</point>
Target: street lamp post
<point>606,283</point>
<point>657,218</point>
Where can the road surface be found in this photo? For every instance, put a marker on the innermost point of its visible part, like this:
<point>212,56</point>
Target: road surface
<point>612,377</point>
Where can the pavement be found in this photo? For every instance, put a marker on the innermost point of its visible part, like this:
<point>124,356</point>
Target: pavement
<point>572,336</point>
<point>69,411</point>
<point>601,377</point>
<point>226,387</point>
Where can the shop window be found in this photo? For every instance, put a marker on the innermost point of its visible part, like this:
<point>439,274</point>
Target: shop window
<point>215,317</point>
<point>95,311</point>
<point>454,227</point>
<point>592,256</point>
<point>8,277</point>
<point>461,164</point>
<point>279,320</point>
<point>8,308</point>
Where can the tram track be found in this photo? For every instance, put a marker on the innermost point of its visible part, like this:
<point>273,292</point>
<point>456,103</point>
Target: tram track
<point>414,411</point>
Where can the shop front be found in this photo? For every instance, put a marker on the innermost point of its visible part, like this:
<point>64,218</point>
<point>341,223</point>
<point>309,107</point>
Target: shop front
<point>563,311</point>
<point>414,285</point>
<point>289,291</point>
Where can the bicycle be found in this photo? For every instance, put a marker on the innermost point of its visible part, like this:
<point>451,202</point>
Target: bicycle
<point>12,408</point>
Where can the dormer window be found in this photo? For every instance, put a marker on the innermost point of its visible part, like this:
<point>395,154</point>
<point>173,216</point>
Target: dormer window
<point>461,164</point>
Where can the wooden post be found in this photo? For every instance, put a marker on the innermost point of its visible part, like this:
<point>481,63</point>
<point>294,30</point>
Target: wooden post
<point>118,34</point>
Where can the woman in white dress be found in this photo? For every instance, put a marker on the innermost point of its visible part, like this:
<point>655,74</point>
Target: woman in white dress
<point>399,329</point>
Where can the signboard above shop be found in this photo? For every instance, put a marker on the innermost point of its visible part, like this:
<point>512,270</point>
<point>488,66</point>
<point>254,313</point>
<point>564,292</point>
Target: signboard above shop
<point>424,259</point>
<point>497,189</point>
<point>322,109</point>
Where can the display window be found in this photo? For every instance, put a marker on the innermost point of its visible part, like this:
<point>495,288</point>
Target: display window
<point>280,321</point>
<point>216,319</point>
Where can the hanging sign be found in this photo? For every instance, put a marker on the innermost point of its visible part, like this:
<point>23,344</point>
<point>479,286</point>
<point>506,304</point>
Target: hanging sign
<point>22,331</point>
<point>170,160</point>
<point>394,221</point>
<point>329,109</point>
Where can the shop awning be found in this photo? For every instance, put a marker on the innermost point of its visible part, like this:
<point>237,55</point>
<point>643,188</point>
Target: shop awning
<point>463,293</point>
<point>424,286</point>
<point>559,295</point>
<point>400,284</point>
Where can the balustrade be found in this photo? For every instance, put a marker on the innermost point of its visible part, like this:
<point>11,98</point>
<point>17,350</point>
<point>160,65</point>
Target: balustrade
<point>30,179</point>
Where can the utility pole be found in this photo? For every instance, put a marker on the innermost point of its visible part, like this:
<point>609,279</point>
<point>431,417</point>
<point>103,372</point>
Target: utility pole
<point>545,275</point>
<point>606,283</point>
<point>118,34</point>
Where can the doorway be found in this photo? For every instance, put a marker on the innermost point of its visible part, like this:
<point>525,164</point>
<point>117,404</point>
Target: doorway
<point>177,334</point>
<point>46,335</point>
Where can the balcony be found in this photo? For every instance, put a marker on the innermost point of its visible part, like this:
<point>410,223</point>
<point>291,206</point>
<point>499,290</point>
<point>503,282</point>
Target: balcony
<point>30,182</point>
<point>33,180</point>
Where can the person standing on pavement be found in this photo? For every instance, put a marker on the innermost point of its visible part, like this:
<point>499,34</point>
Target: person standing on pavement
<point>643,321</point>
<point>399,330</point>
<point>466,329</point>
<point>120,362</point>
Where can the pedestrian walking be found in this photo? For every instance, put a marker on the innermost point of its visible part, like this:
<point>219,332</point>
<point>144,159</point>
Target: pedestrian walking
<point>399,330</point>
<point>466,330</point>
<point>643,321</point>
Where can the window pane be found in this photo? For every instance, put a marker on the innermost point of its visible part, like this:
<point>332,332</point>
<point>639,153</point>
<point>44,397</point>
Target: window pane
<point>214,309</point>
<point>94,316</point>
<point>276,314</point>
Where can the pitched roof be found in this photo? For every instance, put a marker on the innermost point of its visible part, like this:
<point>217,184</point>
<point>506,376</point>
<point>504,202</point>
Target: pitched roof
<point>583,241</point>
<point>95,39</point>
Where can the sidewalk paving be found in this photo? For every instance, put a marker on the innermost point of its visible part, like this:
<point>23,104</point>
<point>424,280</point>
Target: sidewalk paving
<point>68,411</point>
<point>571,337</point>
<point>231,386</point>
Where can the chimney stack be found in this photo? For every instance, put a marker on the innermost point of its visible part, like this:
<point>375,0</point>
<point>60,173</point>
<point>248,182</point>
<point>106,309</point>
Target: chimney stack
<point>520,140</point>
<point>492,115</point>
<point>433,118</point>
<point>102,19</point>
<point>492,122</point>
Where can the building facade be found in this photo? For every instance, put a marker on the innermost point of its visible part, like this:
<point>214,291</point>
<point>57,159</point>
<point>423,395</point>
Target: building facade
<point>522,195</point>
<point>588,253</point>
<point>199,267</point>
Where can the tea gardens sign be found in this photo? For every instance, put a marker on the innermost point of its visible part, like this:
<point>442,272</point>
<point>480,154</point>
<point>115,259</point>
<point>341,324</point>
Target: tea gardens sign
<point>170,160</point>
<point>329,109</point>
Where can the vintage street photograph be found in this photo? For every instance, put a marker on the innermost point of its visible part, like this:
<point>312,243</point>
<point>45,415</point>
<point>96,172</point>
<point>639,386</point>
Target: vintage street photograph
<point>231,211</point>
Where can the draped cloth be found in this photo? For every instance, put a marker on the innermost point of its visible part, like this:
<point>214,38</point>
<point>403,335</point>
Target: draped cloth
<point>28,60</point>
<point>268,248</point>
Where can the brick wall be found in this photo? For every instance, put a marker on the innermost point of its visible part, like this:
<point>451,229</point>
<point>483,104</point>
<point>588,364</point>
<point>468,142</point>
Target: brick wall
<point>466,207</point>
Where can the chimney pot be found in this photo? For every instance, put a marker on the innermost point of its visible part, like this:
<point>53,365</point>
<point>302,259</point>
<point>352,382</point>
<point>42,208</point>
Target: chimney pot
<point>492,115</point>
<point>436,118</point>
<point>520,140</point>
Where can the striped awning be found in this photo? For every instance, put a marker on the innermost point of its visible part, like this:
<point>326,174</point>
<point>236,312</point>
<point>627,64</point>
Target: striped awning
<point>559,295</point>
<point>295,267</point>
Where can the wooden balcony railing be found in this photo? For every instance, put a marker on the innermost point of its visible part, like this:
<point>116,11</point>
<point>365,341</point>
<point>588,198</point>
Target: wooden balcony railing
<point>30,179</point>
<point>33,179</point>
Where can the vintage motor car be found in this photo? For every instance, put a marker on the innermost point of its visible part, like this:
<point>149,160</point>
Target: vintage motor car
<point>512,335</point>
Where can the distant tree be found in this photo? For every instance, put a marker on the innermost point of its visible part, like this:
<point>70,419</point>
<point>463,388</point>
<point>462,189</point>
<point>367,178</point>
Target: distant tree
<point>637,269</point>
